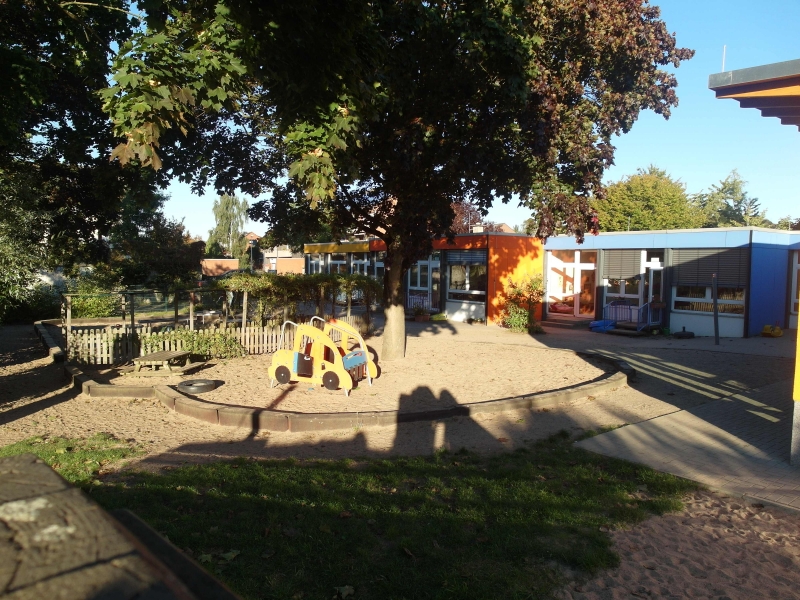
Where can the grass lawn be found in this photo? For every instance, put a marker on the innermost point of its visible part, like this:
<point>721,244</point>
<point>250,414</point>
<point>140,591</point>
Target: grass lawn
<point>444,526</point>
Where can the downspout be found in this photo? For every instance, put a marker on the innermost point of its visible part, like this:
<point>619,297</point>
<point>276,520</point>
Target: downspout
<point>747,289</point>
<point>490,282</point>
<point>545,280</point>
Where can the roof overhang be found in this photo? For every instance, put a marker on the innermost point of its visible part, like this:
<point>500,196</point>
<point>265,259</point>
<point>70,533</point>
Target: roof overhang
<point>773,89</point>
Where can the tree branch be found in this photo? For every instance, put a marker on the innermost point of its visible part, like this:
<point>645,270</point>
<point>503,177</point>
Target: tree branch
<point>137,16</point>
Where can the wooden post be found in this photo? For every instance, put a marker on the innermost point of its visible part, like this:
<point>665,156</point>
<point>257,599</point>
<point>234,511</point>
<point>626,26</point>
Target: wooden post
<point>191,311</point>
<point>175,302</point>
<point>133,339</point>
<point>68,332</point>
<point>244,314</point>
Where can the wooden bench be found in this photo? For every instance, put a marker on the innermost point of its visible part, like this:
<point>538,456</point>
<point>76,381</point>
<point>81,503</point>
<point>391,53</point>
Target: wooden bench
<point>163,364</point>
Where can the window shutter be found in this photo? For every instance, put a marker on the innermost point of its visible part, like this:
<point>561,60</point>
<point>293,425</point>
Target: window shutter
<point>622,264</point>
<point>695,266</point>
<point>466,257</point>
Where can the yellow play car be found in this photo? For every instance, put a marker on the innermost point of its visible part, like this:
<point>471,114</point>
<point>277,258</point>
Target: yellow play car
<point>317,359</point>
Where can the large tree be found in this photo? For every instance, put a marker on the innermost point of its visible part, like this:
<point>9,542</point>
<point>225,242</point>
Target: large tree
<point>434,103</point>
<point>728,204</point>
<point>650,199</point>
<point>54,135</point>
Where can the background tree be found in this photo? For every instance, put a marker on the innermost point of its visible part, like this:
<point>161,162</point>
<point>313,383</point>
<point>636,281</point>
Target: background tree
<point>728,204</point>
<point>434,103</point>
<point>789,223</point>
<point>230,214</point>
<point>468,216</point>
<point>147,248</point>
<point>650,199</point>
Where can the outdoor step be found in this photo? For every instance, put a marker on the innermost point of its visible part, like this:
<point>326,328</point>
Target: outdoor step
<point>627,332</point>
<point>566,323</point>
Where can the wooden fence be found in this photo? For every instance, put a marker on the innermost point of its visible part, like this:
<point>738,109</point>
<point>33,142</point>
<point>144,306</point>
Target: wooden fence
<point>114,345</point>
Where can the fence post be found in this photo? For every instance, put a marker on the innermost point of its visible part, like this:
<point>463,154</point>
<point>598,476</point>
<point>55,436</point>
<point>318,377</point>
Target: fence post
<point>175,302</point>
<point>244,315</point>
<point>68,302</point>
<point>191,311</point>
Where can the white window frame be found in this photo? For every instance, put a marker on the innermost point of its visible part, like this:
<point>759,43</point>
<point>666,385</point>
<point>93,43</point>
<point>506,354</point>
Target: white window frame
<point>480,295</point>
<point>359,265</point>
<point>707,299</point>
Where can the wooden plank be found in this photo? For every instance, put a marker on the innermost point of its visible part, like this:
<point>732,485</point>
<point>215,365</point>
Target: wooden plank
<point>56,533</point>
<point>57,543</point>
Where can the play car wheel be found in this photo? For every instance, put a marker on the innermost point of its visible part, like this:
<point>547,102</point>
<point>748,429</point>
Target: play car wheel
<point>197,386</point>
<point>283,374</point>
<point>330,380</point>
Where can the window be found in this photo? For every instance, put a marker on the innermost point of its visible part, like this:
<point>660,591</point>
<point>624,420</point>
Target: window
<point>567,256</point>
<point>466,275</point>
<point>315,263</point>
<point>698,298</point>
<point>379,258</point>
<point>623,290</point>
<point>360,262</point>
<point>467,283</point>
<point>337,263</point>
<point>413,276</point>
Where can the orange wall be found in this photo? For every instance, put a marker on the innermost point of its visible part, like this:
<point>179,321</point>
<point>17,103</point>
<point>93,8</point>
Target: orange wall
<point>510,258</point>
<point>291,265</point>
<point>217,266</point>
<point>462,242</point>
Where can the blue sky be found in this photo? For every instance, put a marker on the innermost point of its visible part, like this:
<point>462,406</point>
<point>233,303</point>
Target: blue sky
<point>704,139</point>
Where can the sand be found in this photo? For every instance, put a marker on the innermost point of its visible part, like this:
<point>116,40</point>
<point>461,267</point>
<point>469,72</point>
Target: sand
<point>718,547</point>
<point>436,374</point>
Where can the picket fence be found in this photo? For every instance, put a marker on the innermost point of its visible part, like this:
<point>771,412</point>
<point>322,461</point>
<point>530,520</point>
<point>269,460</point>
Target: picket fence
<point>114,345</point>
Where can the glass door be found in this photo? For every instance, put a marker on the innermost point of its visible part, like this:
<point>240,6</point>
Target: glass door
<point>653,291</point>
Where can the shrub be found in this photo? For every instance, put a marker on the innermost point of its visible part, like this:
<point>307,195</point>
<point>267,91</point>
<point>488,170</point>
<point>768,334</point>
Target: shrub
<point>97,296</point>
<point>523,297</point>
<point>222,344</point>
<point>42,302</point>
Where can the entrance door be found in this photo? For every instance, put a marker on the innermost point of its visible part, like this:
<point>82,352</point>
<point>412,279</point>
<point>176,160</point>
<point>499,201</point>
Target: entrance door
<point>652,282</point>
<point>560,285</point>
<point>571,281</point>
<point>435,293</point>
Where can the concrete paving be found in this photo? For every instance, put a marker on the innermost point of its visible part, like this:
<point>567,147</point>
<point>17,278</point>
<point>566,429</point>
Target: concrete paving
<point>738,444</point>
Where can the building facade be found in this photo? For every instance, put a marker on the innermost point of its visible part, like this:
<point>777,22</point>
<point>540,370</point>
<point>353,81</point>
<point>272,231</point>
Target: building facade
<point>756,272</point>
<point>667,276</point>
<point>465,279</point>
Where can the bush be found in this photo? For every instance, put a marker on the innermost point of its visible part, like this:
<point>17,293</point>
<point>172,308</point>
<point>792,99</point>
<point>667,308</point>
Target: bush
<point>515,318</point>
<point>97,296</point>
<point>217,345</point>
<point>43,302</point>
<point>518,315</point>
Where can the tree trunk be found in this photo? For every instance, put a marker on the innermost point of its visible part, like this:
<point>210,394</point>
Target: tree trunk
<point>394,331</point>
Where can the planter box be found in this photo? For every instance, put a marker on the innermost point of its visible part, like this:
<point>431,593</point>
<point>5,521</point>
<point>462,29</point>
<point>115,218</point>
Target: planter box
<point>420,318</point>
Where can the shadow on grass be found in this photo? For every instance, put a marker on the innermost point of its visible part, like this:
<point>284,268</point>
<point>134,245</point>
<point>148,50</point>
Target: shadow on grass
<point>448,525</point>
